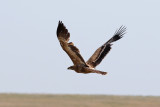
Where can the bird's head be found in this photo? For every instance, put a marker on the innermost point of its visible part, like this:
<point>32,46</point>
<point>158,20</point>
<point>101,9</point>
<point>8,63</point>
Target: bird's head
<point>71,68</point>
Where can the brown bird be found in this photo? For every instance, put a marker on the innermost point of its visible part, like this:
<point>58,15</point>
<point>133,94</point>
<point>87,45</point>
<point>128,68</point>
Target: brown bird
<point>80,66</point>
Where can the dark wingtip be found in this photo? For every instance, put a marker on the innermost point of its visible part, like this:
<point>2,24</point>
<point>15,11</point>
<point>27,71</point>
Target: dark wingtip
<point>60,27</point>
<point>60,22</point>
<point>121,31</point>
<point>118,34</point>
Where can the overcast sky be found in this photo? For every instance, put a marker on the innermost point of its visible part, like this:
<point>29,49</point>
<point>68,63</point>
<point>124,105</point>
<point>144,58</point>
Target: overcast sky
<point>32,60</point>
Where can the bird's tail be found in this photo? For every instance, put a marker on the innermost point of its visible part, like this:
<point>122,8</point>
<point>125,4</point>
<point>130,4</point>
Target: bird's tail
<point>89,70</point>
<point>99,72</point>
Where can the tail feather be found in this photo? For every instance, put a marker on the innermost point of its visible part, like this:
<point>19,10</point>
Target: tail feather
<point>99,72</point>
<point>89,70</point>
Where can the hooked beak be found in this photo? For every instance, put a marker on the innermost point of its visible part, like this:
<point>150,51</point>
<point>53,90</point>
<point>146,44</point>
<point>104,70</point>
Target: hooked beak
<point>69,68</point>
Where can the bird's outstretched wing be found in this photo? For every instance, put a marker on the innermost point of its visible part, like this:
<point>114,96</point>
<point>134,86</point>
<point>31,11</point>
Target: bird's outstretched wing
<point>102,51</point>
<point>72,51</point>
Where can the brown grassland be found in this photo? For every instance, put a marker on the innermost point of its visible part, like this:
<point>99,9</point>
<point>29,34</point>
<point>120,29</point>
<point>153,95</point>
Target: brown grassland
<point>38,100</point>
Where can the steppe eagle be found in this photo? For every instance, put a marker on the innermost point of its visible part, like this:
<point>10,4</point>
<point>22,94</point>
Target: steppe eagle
<point>80,66</point>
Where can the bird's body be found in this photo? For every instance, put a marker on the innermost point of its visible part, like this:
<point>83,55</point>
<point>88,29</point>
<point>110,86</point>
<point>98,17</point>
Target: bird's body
<point>80,66</point>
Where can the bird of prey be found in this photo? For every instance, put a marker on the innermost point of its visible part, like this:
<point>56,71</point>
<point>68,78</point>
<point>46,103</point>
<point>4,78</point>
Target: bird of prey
<point>80,66</point>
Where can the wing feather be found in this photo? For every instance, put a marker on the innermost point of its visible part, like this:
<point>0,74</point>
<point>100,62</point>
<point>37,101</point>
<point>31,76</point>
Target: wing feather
<point>72,51</point>
<point>102,51</point>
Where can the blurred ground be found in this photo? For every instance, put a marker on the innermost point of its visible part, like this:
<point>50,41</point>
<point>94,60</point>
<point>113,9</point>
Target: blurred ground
<point>37,100</point>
